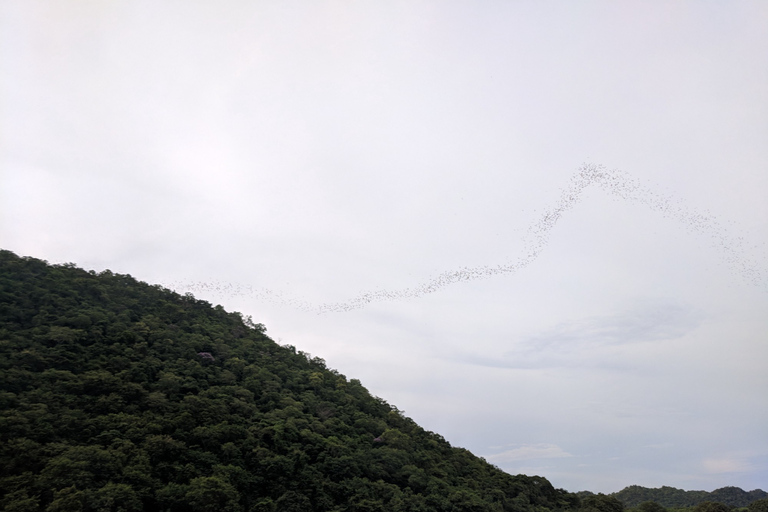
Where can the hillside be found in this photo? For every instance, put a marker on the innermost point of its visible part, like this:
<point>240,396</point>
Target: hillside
<point>670,497</point>
<point>116,395</point>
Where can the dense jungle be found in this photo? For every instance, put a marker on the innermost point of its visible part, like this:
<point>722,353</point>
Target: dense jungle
<point>116,395</point>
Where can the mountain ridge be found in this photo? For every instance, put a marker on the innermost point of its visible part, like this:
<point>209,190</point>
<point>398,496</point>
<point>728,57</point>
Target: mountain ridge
<point>671,497</point>
<point>116,395</point>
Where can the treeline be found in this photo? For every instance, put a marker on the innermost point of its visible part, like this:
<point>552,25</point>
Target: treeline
<point>120,396</point>
<point>610,503</point>
<point>671,497</point>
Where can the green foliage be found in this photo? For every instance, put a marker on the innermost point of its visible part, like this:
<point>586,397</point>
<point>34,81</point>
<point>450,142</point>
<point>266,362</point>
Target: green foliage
<point>735,497</point>
<point>120,396</point>
<point>758,506</point>
<point>212,494</point>
<point>19,501</point>
<point>601,503</point>
<point>670,497</point>
<point>710,506</point>
<point>650,506</point>
<point>115,498</point>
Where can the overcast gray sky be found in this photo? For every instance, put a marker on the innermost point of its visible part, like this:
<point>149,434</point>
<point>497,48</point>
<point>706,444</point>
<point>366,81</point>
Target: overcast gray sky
<point>538,227</point>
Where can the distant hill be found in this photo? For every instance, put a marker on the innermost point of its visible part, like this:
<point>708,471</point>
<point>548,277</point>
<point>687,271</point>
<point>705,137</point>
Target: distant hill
<point>670,497</point>
<point>116,395</point>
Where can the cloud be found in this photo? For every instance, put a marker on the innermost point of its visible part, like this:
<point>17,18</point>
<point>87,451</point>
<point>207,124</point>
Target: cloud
<point>530,452</point>
<point>581,342</point>
<point>727,465</point>
<point>643,323</point>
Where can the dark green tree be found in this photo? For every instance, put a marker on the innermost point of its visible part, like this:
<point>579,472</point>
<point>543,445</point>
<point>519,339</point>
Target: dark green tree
<point>650,506</point>
<point>20,501</point>
<point>211,494</point>
<point>758,506</point>
<point>601,503</point>
<point>711,506</point>
<point>114,498</point>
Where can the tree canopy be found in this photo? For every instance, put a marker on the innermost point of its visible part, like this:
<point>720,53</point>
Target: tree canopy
<point>671,497</point>
<point>116,395</point>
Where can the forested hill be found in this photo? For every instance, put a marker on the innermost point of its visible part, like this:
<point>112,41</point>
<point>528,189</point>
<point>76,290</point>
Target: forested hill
<point>116,395</point>
<point>670,497</point>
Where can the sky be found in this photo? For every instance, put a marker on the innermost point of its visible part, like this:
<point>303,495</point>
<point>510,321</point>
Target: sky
<point>539,228</point>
